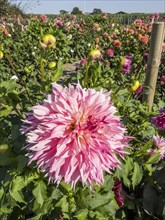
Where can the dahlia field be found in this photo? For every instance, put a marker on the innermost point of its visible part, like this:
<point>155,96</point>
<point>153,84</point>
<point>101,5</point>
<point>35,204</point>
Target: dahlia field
<point>80,142</point>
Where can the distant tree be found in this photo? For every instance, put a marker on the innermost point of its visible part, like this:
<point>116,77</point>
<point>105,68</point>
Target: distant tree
<point>76,11</point>
<point>63,12</point>
<point>97,11</point>
<point>121,12</point>
<point>9,8</point>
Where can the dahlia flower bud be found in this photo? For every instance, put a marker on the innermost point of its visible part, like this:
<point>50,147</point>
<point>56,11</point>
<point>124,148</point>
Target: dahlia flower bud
<point>114,35</point>
<point>117,31</point>
<point>95,54</point>
<point>110,53</point>
<point>131,31</point>
<point>3,148</point>
<point>26,69</point>
<point>66,30</point>
<point>107,63</point>
<point>83,61</point>
<point>33,54</point>
<point>139,37</point>
<point>98,29</point>
<point>1,55</point>
<point>108,38</point>
<point>105,34</point>
<point>97,40</point>
<point>135,86</point>
<point>4,31</point>
<point>48,41</point>
<point>117,43</point>
<point>51,65</point>
<point>95,26</point>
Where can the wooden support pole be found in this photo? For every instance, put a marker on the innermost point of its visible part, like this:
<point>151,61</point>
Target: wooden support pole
<point>157,37</point>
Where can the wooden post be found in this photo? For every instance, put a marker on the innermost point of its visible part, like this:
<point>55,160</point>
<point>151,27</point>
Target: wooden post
<point>157,37</point>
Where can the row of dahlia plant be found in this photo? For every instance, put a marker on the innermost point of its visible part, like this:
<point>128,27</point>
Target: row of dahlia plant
<point>82,146</point>
<point>124,49</point>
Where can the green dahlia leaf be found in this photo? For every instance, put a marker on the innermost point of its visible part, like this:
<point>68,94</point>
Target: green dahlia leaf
<point>137,175</point>
<point>39,192</point>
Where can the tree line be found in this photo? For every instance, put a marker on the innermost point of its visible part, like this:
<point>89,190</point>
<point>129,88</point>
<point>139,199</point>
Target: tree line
<point>76,10</point>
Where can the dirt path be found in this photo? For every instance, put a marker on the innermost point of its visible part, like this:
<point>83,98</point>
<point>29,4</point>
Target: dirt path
<point>70,67</point>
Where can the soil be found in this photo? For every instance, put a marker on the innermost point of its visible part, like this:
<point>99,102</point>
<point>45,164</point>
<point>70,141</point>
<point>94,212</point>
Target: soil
<point>70,67</point>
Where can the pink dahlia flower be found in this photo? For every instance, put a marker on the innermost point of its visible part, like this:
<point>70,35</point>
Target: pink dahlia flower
<point>43,18</point>
<point>117,189</point>
<point>126,63</point>
<point>159,121</point>
<point>75,135</point>
<point>77,26</point>
<point>139,90</point>
<point>58,22</point>
<point>155,16</point>
<point>160,144</point>
<point>109,52</point>
<point>162,80</point>
<point>83,61</point>
<point>145,56</point>
<point>151,152</point>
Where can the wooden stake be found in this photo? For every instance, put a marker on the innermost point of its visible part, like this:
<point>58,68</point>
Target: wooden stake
<point>157,37</point>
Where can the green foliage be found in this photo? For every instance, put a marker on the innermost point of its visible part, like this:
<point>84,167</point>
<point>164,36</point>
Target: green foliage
<point>39,192</point>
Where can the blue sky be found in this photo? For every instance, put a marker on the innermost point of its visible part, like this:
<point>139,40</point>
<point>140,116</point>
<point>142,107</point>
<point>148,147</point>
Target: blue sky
<point>111,6</point>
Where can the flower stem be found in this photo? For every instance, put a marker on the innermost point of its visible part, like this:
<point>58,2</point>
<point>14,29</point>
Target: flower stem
<point>86,74</point>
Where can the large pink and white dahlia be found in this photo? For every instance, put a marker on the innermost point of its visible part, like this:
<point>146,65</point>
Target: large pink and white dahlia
<point>75,135</point>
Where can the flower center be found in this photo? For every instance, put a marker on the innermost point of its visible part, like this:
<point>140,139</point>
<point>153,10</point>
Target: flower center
<point>89,124</point>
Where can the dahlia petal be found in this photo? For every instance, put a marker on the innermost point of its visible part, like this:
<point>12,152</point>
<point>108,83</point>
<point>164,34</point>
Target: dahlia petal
<point>58,131</point>
<point>40,145</point>
<point>40,110</point>
<point>69,170</point>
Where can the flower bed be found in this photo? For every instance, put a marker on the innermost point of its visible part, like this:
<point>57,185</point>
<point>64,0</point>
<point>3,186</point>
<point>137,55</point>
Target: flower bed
<point>82,145</point>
